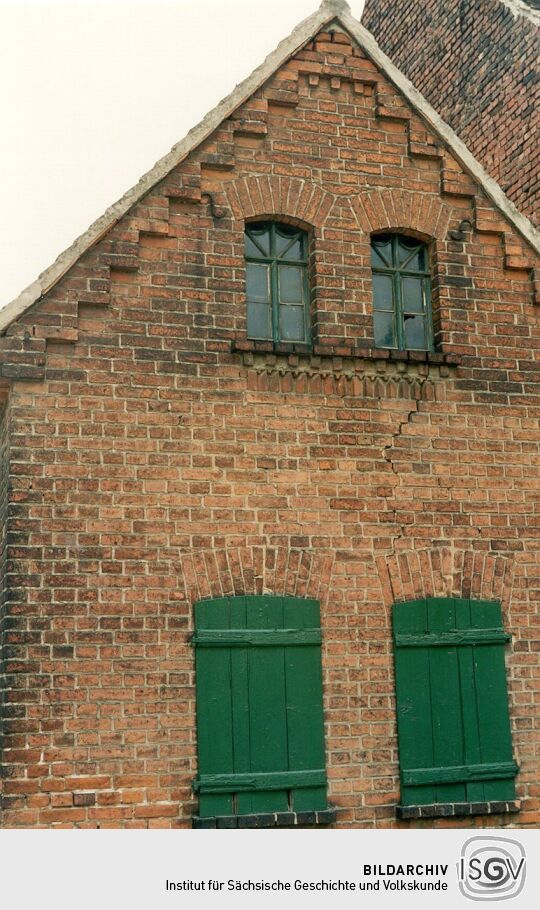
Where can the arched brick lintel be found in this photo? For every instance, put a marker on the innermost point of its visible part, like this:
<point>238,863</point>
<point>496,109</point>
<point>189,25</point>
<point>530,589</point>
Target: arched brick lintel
<point>257,570</point>
<point>401,210</point>
<point>445,572</point>
<point>269,197</point>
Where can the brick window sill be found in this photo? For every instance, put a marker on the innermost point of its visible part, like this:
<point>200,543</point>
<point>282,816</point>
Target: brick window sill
<point>455,810</point>
<point>269,820</point>
<point>265,356</point>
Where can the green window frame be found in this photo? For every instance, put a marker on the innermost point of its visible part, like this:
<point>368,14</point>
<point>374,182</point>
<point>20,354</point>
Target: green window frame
<point>277,287</point>
<point>402,317</point>
<point>260,729</point>
<point>455,743</point>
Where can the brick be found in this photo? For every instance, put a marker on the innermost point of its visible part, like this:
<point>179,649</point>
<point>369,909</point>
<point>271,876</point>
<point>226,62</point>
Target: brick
<point>88,783</point>
<point>69,816</point>
<point>84,799</point>
<point>157,811</point>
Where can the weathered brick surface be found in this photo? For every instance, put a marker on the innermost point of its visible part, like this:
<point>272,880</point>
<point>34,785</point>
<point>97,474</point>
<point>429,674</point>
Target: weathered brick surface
<point>152,465</point>
<point>476,61</point>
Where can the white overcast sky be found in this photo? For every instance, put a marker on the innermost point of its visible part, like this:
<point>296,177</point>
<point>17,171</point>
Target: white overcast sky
<point>92,93</point>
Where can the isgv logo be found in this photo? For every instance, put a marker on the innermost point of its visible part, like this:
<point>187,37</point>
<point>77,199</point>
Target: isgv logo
<point>491,868</point>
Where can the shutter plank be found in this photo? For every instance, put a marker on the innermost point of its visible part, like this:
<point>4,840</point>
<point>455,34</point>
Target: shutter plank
<point>268,733</point>
<point>265,780</point>
<point>413,700</point>
<point>304,699</point>
<point>448,744</point>
<point>459,774</point>
<point>492,701</point>
<point>240,705</point>
<point>214,715</point>
<point>472,753</point>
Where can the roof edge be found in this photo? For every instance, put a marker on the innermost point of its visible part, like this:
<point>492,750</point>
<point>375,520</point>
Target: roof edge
<point>330,10</point>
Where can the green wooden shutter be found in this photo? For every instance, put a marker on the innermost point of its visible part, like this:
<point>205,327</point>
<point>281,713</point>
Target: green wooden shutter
<point>259,705</point>
<point>452,704</point>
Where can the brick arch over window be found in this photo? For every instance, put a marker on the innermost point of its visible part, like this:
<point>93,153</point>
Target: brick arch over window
<point>257,570</point>
<point>445,572</point>
<point>307,203</point>
<point>399,210</point>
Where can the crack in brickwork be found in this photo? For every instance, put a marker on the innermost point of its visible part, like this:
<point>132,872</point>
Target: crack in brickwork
<point>387,455</point>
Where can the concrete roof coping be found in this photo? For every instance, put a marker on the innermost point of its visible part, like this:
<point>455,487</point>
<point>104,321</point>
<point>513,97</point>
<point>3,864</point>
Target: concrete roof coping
<point>336,6</point>
<point>519,8</point>
<point>336,11</point>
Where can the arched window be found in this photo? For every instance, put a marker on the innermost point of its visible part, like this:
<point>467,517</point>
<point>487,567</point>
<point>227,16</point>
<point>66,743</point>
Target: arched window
<point>401,293</point>
<point>276,282</point>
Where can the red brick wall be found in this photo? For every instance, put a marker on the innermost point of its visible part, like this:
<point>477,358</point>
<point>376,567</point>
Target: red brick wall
<point>477,64</point>
<point>151,465</point>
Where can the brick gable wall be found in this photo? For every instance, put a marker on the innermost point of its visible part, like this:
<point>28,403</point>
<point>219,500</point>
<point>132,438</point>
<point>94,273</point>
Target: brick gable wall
<point>476,62</point>
<point>158,457</point>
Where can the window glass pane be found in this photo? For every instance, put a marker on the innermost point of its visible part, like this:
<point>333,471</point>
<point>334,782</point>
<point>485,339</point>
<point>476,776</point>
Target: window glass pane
<point>381,250</point>
<point>259,231</point>
<point>292,323</point>
<point>412,292</point>
<point>250,249</point>
<point>296,250</point>
<point>417,262</point>
<point>258,282</point>
<point>289,242</point>
<point>259,323</point>
<point>411,254</point>
<point>415,334</point>
<point>384,330</point>
<point>405,246</point>
<point>290,284</point>
<point>382,292</point>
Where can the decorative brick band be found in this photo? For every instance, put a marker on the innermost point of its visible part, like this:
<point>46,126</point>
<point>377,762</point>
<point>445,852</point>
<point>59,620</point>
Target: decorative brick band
<point>257,570</point>
<point>445,572</point>
<point>327,352</point>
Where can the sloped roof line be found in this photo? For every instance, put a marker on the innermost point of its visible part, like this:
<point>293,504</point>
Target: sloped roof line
<point>336,11</point>
<point>303,32</point>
